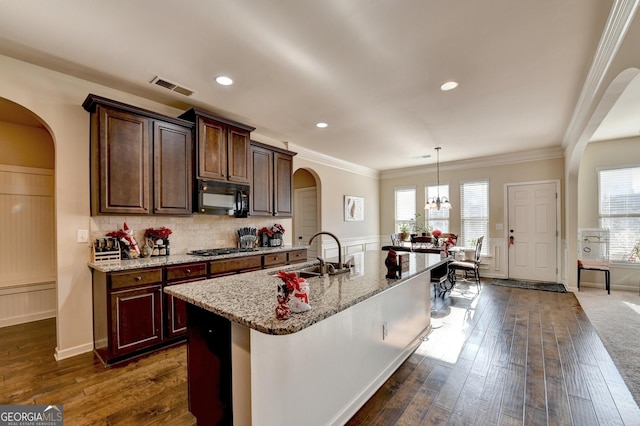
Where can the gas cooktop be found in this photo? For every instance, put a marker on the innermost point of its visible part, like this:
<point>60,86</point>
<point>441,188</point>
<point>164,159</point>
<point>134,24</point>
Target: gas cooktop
<point>220,251</point>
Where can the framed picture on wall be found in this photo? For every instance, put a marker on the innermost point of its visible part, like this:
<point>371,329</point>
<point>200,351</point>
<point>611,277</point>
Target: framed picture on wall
<point>353,208</point>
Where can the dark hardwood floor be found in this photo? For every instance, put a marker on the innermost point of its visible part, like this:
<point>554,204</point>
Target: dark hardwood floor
<point>503,357</point>
<point>150,390</point>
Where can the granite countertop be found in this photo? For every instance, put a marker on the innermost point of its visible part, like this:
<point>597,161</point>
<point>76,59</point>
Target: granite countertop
<point>177,259</point>
<point>249,299</point>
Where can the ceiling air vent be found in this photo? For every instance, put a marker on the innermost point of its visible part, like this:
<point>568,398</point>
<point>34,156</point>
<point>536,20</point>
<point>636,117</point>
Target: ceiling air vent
<point>172,86</point>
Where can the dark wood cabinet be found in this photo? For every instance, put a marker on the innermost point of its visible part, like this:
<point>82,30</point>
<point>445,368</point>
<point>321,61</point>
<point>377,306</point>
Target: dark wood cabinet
<point>121,162</point>
<point>176,309</point>
<point>141,161</point>
<point>136,319</point>
<point>282,184</point>
<point>236,265</point>
<point>127,312</point>
<point>172,169</point>
<point>133,315</point>
<point>271,181</point>
<point>274,259</point>
<point>261,202</point>
<point>297,256</point>
<point>209,367</point>
<point>222,152</point>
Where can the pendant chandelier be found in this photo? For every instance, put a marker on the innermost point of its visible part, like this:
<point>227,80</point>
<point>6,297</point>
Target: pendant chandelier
<point>438,202</point>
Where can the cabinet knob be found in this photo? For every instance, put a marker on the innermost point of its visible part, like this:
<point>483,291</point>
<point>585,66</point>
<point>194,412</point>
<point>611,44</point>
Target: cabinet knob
<point>188,271</point>
<point>138,278</point>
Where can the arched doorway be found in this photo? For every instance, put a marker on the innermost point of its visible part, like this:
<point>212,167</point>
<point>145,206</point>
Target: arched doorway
<point>306,198</point>
<point>27,217</point>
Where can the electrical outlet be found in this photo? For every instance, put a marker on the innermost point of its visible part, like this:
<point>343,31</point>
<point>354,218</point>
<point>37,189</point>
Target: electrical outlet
<point>82,235</point>
<point>385,330</point>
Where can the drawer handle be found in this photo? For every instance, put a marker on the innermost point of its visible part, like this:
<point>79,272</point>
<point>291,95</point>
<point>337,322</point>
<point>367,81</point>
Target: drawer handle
<point>188,271</point>
<point>138,278</point>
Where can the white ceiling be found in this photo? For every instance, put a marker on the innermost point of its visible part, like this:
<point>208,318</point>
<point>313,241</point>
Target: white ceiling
<point>370,68</point>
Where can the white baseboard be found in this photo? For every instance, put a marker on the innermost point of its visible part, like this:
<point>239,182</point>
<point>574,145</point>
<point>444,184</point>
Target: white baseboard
<point>76,350</point>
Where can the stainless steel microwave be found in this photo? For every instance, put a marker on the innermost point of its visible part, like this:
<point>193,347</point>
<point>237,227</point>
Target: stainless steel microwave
<point>222,198</point>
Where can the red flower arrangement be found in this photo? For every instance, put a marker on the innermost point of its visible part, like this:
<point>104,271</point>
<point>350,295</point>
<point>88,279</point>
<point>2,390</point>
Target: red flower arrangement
<point>158,234</point>
<point>119,234</point>
<point>271,231</point>
<point>436,233</point>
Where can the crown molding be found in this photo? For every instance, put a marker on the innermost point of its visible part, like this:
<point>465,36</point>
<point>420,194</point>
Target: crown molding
<point>620,18</point>
<point>490,161</point>
<point>316,157</point>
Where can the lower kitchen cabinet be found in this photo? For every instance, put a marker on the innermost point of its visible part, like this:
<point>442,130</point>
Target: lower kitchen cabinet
<point>136,319</point>
<point>132,314</point>
<point>176,309</point>
<point>236,265</point>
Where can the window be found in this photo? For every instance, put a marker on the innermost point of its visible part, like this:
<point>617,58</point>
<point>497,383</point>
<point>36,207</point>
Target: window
<point>405,205</point>
<point>437,219</point>
<point>474,213</point>
<point>619,203</point>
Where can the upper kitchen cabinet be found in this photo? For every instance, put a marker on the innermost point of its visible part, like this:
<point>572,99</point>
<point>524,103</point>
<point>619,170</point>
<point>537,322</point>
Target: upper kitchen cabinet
<point>141,161</point>
<point>271,183</point>
<point>222,147</point>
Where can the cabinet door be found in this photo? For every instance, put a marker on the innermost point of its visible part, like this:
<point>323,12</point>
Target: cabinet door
<point>261,203</point>
<point>172,173</point>
<point>212,150</point>
<point>238,151</point>
<point>136,319</point>
<point>282,185</point>
<point>176,316</point>
<point>123,167</point>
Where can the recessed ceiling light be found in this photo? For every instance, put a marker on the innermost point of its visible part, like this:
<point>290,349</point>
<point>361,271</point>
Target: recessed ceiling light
<point>448,85</point>
<point>224,80</point>
<point>321,125</point>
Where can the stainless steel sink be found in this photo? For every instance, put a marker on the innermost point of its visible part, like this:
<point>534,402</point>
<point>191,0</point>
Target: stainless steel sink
<point>328,268</point>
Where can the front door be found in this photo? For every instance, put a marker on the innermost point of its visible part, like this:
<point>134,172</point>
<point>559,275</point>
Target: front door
<point>533,231</point>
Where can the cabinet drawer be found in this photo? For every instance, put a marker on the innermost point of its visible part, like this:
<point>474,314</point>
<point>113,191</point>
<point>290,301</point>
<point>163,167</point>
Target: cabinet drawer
<point>297,256</point>
<point>227,266</point>
<point>275,259</point>
<point>129,279</point>
<point>186,272</point>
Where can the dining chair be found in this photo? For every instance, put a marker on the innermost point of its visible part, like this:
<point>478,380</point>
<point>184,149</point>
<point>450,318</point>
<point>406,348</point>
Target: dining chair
<point>467,266</point>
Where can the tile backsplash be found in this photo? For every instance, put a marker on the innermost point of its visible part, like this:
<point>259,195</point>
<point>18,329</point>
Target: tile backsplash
<point>189,233</point>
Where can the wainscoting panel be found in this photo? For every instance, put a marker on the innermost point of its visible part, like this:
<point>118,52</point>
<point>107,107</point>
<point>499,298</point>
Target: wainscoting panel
<point>27,246</point>
<point>27,303</point>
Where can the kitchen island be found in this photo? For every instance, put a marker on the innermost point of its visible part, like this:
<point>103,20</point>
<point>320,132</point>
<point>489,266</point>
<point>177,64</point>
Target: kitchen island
<point>318,367</point>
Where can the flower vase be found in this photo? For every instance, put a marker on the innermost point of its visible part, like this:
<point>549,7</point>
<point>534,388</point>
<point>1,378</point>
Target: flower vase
<point>264,240</point>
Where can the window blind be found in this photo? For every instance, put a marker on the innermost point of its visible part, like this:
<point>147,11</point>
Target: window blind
<point>405,205</point>
<point>474,213</point>
<point>619,203</point>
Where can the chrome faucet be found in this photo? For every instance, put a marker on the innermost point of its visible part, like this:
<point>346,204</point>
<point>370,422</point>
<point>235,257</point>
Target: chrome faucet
<point>337,241</point>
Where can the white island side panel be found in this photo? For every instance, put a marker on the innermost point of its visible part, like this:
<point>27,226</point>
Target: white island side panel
<point>323,374</point>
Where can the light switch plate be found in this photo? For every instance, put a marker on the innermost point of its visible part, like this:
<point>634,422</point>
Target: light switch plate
<point>82,235</point>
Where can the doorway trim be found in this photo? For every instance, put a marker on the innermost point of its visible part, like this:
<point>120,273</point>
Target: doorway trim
<point>559,265</point>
